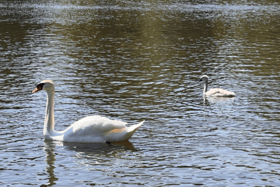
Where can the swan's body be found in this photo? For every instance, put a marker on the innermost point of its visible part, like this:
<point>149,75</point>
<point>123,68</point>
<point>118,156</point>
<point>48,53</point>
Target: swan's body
<point>91,129</point>
<point>216,92</point>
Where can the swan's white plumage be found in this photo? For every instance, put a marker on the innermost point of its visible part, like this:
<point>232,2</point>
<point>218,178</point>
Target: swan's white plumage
<point>88,129</point>
<point>214,92</point>
<point>218,92</point>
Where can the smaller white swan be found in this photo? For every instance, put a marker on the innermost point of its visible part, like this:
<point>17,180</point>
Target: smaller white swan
<point>216,92</point>
<point>91,129</point>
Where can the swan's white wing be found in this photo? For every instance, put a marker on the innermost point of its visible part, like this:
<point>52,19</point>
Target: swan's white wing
<point>91,129</point>
<point>98,124</point>
<point>218,92</point>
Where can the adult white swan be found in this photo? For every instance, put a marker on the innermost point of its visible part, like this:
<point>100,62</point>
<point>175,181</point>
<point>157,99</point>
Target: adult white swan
<point>216,92</point>
<point>91,129</point>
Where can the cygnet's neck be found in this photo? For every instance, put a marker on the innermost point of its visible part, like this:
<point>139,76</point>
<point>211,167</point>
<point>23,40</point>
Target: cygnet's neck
<point>205,86</point>
<point>49,116</point>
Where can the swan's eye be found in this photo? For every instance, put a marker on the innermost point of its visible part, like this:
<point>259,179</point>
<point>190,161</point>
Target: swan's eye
<point>40,85</point>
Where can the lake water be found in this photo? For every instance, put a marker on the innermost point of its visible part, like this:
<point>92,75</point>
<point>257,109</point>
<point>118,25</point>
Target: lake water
<point>134,61</point>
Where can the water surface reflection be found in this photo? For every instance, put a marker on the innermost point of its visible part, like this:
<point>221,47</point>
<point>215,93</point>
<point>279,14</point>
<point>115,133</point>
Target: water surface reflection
<point>49,148</point>
<point>135,61</point>
<point>91,157</point>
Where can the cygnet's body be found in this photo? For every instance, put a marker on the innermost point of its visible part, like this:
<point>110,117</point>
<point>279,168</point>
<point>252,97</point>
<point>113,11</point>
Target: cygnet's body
<point>214,92</point>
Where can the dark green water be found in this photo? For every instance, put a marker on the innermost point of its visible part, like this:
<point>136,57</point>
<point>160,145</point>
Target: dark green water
<point>134,61</point>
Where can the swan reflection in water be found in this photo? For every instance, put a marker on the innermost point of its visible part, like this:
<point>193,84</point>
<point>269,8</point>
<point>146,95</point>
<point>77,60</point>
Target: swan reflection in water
<point>49,148</point>
<point>96,150</point>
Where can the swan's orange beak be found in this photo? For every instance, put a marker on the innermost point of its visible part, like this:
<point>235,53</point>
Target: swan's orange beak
<point>37,89</point>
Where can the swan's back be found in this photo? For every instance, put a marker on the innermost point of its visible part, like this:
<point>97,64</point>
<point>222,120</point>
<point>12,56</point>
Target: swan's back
<point>218,92</point>
<point>97,123</point>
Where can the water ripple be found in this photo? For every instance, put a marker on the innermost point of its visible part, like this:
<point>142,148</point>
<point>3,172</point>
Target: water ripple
<point>135,61</point>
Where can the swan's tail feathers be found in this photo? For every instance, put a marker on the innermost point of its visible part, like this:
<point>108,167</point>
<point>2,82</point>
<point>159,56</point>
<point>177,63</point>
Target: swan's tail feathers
<point>232,94</point>
<point>228,94</point>
<point>132,129</point>
<point>123,134</point>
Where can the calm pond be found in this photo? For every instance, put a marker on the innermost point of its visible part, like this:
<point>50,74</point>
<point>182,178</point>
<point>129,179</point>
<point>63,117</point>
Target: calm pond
<point>134,61</point>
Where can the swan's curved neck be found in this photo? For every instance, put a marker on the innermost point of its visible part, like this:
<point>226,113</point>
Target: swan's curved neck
<point>49,117</point>
<point>205,86</point>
